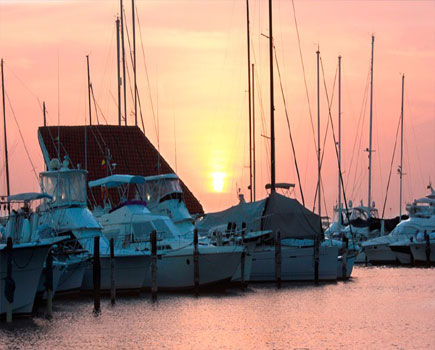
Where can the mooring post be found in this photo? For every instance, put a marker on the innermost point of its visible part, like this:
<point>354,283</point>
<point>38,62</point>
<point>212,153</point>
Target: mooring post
<point>427,239</point>
<point>153,238</point>
<point>278,259</point>
<point>195,261</point>
<point>97,275</point>
<point>316,259</point>
<point>49,284</point>
<point>112,272</point>
<point>344,257</point>
<point>242,262</point>
<point>9,283</point>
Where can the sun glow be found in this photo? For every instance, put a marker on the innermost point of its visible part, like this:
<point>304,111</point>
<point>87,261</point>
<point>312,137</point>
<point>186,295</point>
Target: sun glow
<point>218,181</point>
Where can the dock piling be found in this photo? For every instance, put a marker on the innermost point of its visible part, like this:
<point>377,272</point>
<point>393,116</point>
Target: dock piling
<point>112,272</point>
<point>344,258</point>
<point>195,261</point>
<point>9,283</point>
<point>278,259</point>
<point>97,275</point>
<point>49,284</point>
<point>316,259</point>
<point>154,288</point>
<point>242,262</point>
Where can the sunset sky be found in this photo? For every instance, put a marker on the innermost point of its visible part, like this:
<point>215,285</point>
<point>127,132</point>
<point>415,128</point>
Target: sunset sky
<point>196,57</point>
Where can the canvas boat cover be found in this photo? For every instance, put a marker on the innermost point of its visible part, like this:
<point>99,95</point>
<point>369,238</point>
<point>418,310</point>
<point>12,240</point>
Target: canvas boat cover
<point>276,213</point>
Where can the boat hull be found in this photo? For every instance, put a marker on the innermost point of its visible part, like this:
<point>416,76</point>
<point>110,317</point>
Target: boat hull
<point>380,254</point>
<point>175,270</point>
<point>129,272</point>
<point>71,279</point>
<point>418,251</point>
<point>297,263</point>
<point>27,267</point>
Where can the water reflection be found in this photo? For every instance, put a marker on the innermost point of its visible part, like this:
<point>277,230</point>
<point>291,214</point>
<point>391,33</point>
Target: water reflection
<point>388,308</point>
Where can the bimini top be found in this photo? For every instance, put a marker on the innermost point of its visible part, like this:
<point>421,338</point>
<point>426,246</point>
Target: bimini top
<point>28,197</point>
<point>171,176</point>
<point>117,180</point>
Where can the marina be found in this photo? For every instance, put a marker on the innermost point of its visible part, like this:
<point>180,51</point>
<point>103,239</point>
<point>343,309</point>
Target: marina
<point>173,201</point>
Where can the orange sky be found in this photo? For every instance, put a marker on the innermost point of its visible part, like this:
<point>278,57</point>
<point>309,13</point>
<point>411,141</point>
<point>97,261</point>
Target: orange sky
<point>196,57</point>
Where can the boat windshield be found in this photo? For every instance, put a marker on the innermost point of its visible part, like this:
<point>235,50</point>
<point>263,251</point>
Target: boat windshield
<point>159,190</point>
<point>358,213</point>
<point>144,228</point>
<point>66,187</point>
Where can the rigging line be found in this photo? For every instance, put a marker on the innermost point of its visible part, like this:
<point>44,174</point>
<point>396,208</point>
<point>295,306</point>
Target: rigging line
<point>359,128</point>
<point>140,110</point>
<point>131,59</point>
<point>329,119</point>
<point>263,121</point>
<point>21,135</point>
<point>336,150</point>
<point>289,129</point>
<point>146,73</point>
<point>25,86</point>
<point>96,105</point>
<point>305,78</point>
<point>391,168</point>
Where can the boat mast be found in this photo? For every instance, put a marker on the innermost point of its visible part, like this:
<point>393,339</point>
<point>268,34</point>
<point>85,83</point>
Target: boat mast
<point>318,134</point>
<point>123,64</point>
<point>401,147</point>
<point>339,141</point>
<point>6,140</point>
<point>118,76</point>
<point>43,113</point>
<point>253,130</point>
<point>272,107</point>
<point>134,63</point>
<point>371,125</point>
<point>249,99</point>
<point>89,91</point>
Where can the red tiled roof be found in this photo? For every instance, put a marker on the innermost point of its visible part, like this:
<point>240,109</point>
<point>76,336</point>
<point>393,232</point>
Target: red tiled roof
<point>130,149</point>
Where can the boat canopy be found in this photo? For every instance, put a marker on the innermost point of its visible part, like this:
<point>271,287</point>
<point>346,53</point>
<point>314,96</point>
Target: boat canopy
<point>28,197</point>
<point>117,180</point>
<point>275,213</point>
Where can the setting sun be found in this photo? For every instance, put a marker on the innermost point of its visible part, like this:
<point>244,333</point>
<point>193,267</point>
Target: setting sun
<point>218,181</point>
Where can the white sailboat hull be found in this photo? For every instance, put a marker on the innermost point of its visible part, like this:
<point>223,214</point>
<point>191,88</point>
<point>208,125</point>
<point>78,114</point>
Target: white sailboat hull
<point>175,270</point>
<point>418,251</point>
<point>129,272</point>
<point>72,277</point>
<point>297,263</point>
<point>380,254</point>
<point>27,266</point>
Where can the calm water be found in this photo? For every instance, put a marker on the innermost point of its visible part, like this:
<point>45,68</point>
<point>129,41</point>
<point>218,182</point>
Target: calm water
<point>380,308</point>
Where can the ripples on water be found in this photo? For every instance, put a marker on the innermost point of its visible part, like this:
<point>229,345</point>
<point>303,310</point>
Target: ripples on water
<point>380,308</point>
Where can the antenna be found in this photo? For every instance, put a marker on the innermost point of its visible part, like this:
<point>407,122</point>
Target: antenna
<point>6,140</point>
<point>134,63</point>
<point>123,64</point>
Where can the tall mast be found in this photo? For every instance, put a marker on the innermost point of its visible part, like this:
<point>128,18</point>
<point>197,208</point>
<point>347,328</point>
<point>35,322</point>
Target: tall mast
<point>134,63</point>
<point>339,141</point>
<point>318,133</point>
<point>89,91</point>
<point>123,63</point>
<point>44,113</point>
<point>371,125</point>
<point>272,107</point>
<point>253,130</point>
<point>6,140</point>
<point>118,76</point>
<point>249,99</point>
<point>401,146</point>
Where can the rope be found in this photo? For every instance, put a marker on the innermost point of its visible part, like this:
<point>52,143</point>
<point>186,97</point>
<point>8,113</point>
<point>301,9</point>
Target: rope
<point>303,70</point>
<point>391,167</point>
<point>22,138</point>
<point>289,129</point>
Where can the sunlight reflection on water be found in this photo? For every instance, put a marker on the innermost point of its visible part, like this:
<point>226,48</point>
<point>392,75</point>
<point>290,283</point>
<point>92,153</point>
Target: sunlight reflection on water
<point>380,308</point>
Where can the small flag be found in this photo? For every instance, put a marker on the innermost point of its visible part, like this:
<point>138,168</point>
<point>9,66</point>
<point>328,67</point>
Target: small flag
<point>103,163</point>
